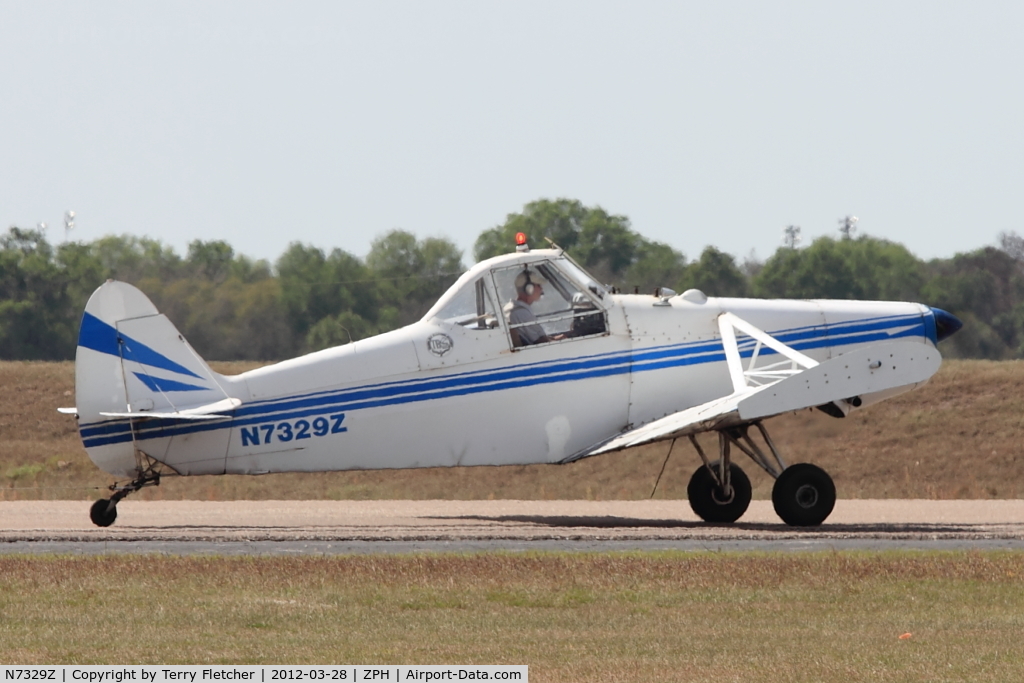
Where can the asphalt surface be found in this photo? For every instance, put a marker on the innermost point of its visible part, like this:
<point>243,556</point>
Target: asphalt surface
<point>357,527</point>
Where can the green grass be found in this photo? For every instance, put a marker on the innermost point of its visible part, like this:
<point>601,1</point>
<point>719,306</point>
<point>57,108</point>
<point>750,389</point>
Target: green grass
<point>570,617</point>
<point>25,471</point>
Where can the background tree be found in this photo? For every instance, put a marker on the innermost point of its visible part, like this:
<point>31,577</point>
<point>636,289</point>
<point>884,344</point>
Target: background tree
<point>315,286</point>
<point>135,259</point>
<point>862,268</point>
<point>230,306</point>
<point>656,265</point>
<point>559,220</point>
<point>985,288</point>
<point>410,274</point>
<point>1013,245</point>
<point>822,271</point>
<point>601,242</point>
<point>33,300</point>
<point>715,274</point>
<point>210,260</point>
<point>81,272</point>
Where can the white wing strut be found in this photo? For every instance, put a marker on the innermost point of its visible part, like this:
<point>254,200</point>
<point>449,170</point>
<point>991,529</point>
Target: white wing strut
<point>753,376</point>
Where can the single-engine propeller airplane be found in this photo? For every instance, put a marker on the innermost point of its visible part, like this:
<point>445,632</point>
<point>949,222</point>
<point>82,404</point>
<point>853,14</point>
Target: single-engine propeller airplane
<point>525,359</point>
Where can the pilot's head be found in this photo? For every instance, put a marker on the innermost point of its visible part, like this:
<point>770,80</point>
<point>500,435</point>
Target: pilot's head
<point>529,286</point>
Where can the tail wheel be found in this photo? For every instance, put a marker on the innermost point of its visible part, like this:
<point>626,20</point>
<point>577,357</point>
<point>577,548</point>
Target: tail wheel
<point>804,495</point>
<point>103,512</point>
<point>711,502</point>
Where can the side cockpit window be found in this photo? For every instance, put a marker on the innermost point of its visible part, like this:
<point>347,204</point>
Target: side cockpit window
<point>541,304</point>
<point>472,307</point>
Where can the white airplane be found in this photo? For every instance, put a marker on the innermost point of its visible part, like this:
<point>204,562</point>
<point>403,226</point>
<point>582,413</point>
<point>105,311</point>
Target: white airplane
<point>525,359</point>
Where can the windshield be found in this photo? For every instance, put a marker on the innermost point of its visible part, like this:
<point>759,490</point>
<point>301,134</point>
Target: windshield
<point>541,305</point>
<point>583,277</point>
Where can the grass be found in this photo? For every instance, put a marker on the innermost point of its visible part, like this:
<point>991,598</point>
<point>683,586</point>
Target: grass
<point>570,617</point>
<point>957,437</point>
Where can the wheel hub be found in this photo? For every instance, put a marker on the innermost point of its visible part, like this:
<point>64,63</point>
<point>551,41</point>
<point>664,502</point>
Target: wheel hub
<point>722,496</point>
<point>807,496</point>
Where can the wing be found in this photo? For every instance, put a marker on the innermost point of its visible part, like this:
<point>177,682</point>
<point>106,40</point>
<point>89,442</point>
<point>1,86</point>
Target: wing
<point>806,384</point>
<point>717,414</point>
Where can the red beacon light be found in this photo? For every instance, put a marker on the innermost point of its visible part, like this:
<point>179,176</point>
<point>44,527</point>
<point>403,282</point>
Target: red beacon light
<point>521,244</point>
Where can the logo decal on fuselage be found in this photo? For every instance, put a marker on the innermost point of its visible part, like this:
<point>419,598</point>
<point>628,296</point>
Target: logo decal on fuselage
<point>439,344</point>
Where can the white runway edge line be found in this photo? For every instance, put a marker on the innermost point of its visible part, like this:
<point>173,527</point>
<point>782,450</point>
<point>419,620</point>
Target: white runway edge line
<point>159,673</point>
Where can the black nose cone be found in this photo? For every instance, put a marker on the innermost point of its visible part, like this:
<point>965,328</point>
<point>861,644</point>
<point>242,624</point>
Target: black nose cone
<point>946,324</point>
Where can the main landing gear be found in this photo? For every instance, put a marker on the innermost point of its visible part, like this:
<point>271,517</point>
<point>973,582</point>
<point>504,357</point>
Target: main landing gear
<point>719,494</point>
<point>803,495</point>
<point>719,491</point>
<point>104,511</point>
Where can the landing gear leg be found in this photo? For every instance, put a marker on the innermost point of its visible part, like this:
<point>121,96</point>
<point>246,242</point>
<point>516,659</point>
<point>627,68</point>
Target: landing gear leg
<point>803,494</point>
<point>719,491</point>
<point>104,511</point>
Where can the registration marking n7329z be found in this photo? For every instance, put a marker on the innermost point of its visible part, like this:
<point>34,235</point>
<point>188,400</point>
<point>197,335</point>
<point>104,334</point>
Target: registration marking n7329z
<point>292,430</point>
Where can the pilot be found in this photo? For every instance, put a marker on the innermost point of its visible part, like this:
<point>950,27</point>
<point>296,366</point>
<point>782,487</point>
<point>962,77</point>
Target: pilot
<point>528,290</point>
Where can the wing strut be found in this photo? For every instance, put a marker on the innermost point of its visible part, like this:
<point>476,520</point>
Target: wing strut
<point>742,380</point>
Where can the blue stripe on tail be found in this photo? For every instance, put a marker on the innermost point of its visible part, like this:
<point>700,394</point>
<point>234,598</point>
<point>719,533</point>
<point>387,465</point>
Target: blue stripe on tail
<point>99,336</point>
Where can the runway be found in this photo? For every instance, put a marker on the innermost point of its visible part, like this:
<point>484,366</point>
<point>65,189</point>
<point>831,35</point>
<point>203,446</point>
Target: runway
<point>345,527</point>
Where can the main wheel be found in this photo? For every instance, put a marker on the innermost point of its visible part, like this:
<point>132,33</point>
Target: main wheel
<point>102,513</point>
<point>711,503</point>
<point>804,495</point>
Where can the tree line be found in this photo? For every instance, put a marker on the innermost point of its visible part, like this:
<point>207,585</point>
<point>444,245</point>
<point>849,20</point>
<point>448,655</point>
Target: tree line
<point>232,307</point>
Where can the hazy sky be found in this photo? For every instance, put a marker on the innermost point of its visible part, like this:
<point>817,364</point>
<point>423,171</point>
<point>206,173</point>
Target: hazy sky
<point>332,122</point>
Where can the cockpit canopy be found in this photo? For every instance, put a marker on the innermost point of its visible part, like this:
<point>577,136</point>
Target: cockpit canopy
<point>563,298</point>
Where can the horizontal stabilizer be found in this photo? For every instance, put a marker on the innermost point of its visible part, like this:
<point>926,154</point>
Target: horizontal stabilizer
<point>865,371</point>
<point>166,416</point>
<point>210,411</point>
<point>68,411</point>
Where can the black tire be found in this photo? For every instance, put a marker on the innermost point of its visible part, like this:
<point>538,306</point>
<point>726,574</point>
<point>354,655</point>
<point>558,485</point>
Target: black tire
<point>804,495</point>
<point>707,500</point>
<point>102,513</point>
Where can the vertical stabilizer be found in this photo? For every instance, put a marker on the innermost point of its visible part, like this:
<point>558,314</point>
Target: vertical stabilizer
<point>131,359</point>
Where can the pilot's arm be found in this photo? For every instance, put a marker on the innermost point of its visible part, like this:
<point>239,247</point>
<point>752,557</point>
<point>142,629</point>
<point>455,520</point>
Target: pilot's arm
<point>526,327</point>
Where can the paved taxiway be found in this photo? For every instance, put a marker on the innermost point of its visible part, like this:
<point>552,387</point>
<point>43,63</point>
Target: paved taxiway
<point>338,527</point>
